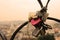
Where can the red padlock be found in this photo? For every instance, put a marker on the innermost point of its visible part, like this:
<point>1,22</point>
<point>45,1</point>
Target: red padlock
<point>35,21</point>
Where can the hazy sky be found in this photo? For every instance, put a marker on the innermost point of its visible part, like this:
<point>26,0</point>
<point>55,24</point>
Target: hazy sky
<point>19,9</point>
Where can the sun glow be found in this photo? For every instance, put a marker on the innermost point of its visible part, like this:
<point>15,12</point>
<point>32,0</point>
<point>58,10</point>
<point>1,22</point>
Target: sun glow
<point>19,9</point>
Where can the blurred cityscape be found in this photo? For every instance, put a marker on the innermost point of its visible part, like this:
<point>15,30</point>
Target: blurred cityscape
<point>8,27</point>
